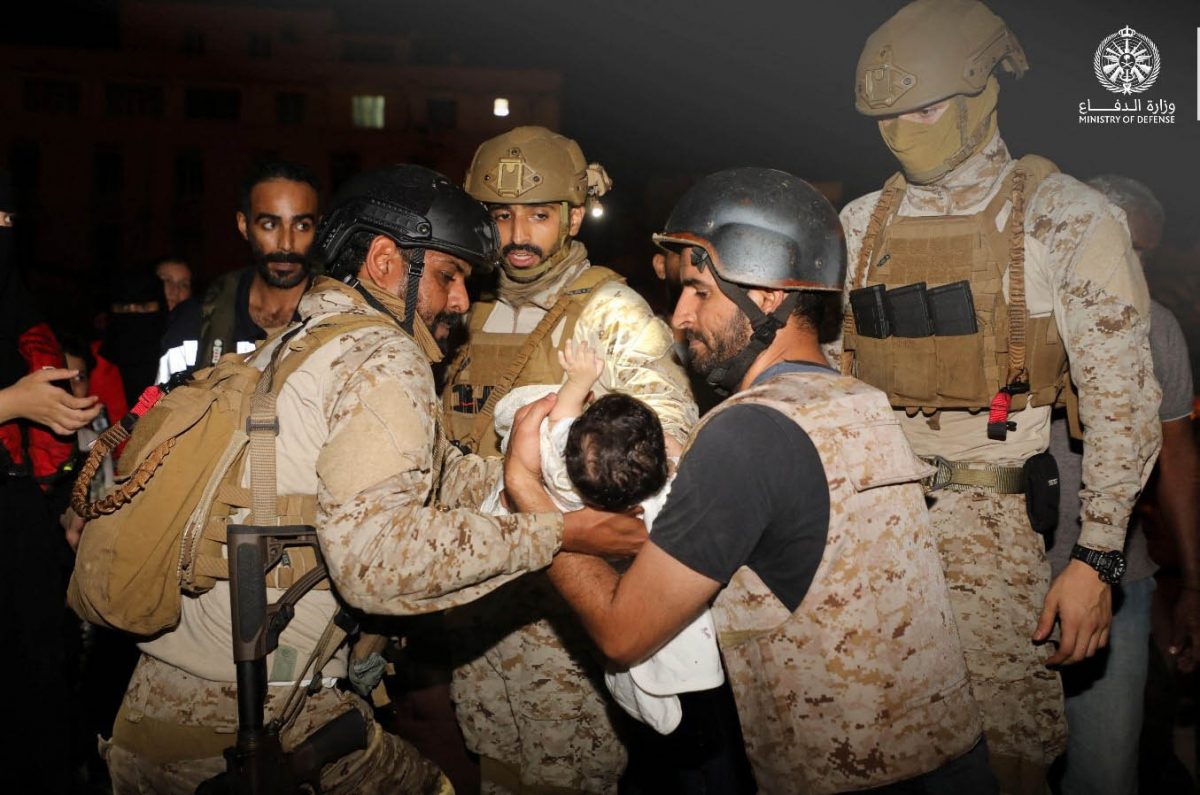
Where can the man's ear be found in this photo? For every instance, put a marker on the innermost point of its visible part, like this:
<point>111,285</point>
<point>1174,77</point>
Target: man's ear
<point>242,226</point>
<point>659,261</point>
<point>576,220</point>
<point>767,300</point>
<point>384,264</point>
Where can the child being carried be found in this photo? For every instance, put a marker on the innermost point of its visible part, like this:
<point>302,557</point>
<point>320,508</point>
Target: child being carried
<point>611,456</point>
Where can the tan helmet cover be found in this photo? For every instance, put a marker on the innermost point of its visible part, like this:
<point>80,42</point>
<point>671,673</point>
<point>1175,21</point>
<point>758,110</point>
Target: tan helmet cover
<point>929,51</point>
<point>533,165</point>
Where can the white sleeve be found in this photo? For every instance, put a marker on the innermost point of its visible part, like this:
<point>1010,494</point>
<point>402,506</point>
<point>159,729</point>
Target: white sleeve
<point>554,464</point>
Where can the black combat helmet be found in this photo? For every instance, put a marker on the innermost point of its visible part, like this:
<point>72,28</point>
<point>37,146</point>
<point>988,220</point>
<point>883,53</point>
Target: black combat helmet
<point>414,206</point>
<point>761,228</point>
<point>419,209</point>
<point>758,227</point>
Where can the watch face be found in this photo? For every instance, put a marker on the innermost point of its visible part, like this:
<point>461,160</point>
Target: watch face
<point>1112,567</point>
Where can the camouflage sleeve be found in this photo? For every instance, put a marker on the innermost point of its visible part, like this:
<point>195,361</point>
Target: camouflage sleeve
<point>854,217</point>
<point>389,549</point>
<point>1102,310</point>
<point>636,347</point>
<point>467,480</point>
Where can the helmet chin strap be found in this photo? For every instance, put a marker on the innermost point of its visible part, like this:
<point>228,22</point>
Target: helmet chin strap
<point>416,266</point>
<point>727,375</point>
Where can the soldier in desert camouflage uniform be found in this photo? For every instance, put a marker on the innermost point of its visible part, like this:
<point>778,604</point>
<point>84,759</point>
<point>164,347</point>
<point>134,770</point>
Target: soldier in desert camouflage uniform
<point>532,704</point>
<point>798,507</point>
<point>1050,277</point>
<point>359,428</point>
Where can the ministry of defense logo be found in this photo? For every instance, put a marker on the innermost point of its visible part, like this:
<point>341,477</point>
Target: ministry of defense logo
<point>1127,62</point>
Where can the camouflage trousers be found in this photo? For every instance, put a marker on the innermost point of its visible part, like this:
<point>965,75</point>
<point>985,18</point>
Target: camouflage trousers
<point>533,703</point>
<point>998,575</point>
<point>172,728</point>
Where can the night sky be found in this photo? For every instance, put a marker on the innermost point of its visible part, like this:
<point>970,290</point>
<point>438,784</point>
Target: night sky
<point>671,87</point>
<point>663,92</point>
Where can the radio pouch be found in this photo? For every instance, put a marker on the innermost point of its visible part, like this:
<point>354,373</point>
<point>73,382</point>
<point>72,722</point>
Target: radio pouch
<point>1042,492</point>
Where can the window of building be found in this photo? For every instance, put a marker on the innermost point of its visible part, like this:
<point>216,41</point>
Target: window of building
<point>443,114</point>
<point>367,111</point>
<point>189,175</point>
<point>134,99</point>
<point>260,45</point>
<point>108,170</point>
<point>52,97</point>
<point>193,42</point>
<point>219,104</point>
<point>289,107</point>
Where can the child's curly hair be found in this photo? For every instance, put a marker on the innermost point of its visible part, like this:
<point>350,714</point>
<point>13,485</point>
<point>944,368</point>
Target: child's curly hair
<point>615,453</point>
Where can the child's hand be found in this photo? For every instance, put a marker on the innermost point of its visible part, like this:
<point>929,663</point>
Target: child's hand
<point>581,364</point>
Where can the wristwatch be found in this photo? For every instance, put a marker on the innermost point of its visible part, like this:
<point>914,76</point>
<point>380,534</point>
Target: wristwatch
<point>1109,565</point>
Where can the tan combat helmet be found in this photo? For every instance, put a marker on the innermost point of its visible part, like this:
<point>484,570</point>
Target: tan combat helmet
<point>533,165</point>
<point>929,51</point>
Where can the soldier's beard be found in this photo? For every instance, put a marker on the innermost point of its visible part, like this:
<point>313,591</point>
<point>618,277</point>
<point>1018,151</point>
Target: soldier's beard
<point>262,264</point>
<point>448,330</point>
<point>707,351</point>
<point>528,273</point>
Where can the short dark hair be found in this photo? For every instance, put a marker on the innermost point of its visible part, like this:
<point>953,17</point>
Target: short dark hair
<point>267,170</point>
<point>353,254</point>
<point>821,311</point>
<point>615,453</point>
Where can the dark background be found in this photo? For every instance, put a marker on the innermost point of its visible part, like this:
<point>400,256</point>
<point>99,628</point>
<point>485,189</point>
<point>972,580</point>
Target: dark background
<point>664,92</point>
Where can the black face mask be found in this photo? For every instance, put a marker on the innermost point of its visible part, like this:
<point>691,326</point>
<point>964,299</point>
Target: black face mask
<point>131,342</point>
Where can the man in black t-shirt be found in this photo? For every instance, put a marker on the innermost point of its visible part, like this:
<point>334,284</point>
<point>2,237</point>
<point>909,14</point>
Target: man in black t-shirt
<point>797,510</point>
<point>277,217</point>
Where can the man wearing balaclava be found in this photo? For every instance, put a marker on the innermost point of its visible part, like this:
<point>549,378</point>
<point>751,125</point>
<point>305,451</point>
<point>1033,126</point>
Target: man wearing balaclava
<point>537,185</point>
<point>984,291</point>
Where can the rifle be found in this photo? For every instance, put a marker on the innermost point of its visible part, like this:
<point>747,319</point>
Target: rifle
<point>257,764</point>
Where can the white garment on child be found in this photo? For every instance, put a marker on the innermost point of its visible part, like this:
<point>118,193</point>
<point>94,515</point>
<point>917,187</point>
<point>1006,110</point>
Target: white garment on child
<point>552,439</point>
<point>553,443</point>
<point>691,660</point>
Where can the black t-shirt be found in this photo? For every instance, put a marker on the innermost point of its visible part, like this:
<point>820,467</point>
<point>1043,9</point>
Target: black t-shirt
<point>751,491</point>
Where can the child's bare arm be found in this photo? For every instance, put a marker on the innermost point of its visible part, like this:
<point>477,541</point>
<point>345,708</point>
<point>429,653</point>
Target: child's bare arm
<point>583,368</point>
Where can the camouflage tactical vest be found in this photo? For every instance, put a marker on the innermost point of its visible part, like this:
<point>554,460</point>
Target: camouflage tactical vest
<point>864,684</point>
<point>967,370</point>
<point>483,363</point>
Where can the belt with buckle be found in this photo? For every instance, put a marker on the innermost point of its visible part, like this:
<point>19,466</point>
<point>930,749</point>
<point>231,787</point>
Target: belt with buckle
<point>963,476</point>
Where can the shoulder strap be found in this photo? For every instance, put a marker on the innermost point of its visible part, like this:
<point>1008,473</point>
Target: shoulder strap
<point>888,201</point>
<point>218,319</point>
<point>1028,174</point>
<point>577,290</point>
<point>262,423</point>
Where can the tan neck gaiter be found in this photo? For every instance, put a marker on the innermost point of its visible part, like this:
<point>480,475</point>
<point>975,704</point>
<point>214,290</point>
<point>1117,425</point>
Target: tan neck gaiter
<point>517,293</point>
<point>395,307</point>
<point>927,152</point>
